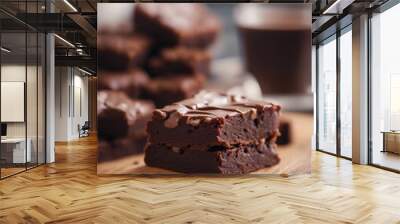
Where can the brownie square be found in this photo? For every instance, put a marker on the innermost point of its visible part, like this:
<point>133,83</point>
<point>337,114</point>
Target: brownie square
<point>180,60</point>
<point>130,82</point>
<point>213,119</point>
<point>240,159</point>
<point>121,52</point>
<point>171,24</point>
<point>119,116</point>
<point>167,90</point>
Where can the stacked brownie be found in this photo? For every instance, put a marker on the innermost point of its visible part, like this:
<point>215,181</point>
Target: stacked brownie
<point>176,24</point>
<point>121,124</point>
<point>180,58</point>
<point>213,133</point>
<point>164,58</point>
<point>121,115</point>
<point>159,57</point>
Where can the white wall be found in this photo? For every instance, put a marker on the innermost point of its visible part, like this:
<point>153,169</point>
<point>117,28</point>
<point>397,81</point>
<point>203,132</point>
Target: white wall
<point>70,83</point>
<point>62,81</point>
<point>12,73</point>
<point>80,109</point>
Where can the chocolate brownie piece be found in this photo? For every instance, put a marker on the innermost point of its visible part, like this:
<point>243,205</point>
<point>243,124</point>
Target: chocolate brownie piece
<point>131,82</point>
<point>191,25</point>
<point>120,52</point>
<point>119,116</point>
<point>167,90</point>
<point>240,159</point>
<point>211,119</point>
<point>111,150</point>
<point>180,60</point>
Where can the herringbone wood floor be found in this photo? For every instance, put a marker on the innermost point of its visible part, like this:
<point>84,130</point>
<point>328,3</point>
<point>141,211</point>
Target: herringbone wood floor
<point>69,191</point>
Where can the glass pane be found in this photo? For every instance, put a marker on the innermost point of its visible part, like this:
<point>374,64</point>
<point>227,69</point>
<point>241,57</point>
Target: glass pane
<point>41,98</point>
<point>327,96</point>
<point>31,88</point>
<point>31,97</point>
<point>13,86</point>
<point>385,83</point>
<point>346,94</point>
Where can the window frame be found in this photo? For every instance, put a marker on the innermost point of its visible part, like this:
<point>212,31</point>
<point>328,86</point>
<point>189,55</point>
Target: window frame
<point>381,9</point>
<point>333,37</point>
<point>26,30</point>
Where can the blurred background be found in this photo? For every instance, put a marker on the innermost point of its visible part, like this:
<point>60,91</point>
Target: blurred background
<point>228,67</point>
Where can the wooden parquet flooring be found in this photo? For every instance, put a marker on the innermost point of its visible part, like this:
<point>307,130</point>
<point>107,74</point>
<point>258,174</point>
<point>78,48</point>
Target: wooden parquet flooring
<point>69,191</point>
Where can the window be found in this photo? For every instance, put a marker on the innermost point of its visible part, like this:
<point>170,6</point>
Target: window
<point>385,89</point>
<point>22,78</point>
<point>334,73</point>
<point>346,93</point>
<point>326,85</point>
<point>15,149</point>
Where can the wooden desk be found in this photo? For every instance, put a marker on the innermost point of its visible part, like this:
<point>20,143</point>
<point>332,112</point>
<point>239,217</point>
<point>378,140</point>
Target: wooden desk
<point>13,150</point>
<point>391,141</point>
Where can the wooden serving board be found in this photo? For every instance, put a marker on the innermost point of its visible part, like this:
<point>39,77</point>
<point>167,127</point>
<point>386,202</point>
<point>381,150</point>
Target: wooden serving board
<point>295,157</point>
